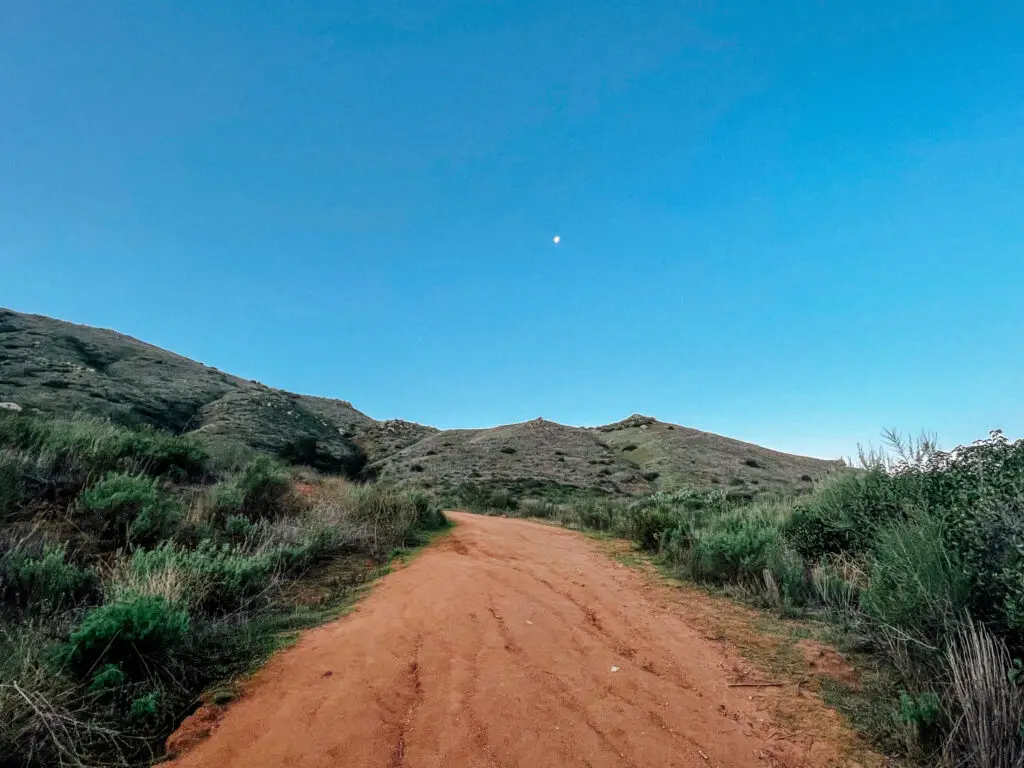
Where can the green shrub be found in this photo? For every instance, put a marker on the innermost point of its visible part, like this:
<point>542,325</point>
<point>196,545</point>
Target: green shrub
<point>46,582</point>
<point>814,534</point>
<point>134,508</point>
<point>595,514</point>
<point>646,521</point>
<point>847,511</point>
<point>540,508</point>
<point>677,542</point>
<point>75,449</point>
<point>920,716</point>
<point>144,708</point>
<point>921,710</point>
<point>211,578</point>
<point>107,678</point>
<point>916,583</point>
<point>227,499</point>
<point>227,455</point>
<point>486,500</point>
<point>260,490</point>
<point>429,516</point>
<point>739,550</point>
<point>239,527</point>
<point>131,633</point>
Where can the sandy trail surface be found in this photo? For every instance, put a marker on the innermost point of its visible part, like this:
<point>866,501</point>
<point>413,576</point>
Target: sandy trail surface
<point>511,643</point>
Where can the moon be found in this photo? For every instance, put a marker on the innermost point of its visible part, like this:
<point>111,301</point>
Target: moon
<point>557,239</point>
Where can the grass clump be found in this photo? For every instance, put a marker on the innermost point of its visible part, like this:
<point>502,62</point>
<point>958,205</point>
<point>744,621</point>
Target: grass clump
<point>73,450</point>
<point>132,508</point>
<point>44,581</point>
<point>261,489</point>
<point>916,582</point>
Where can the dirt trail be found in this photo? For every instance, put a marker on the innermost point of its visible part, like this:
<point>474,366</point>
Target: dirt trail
<point>511,643</point>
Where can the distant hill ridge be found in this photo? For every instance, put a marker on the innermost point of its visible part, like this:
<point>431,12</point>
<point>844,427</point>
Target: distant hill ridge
<point>60,367</point>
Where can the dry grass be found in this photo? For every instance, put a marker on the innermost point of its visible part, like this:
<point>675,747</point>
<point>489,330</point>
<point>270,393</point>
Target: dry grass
<point>46,719</point>
<point>987,732</point>
<point>122,580</point>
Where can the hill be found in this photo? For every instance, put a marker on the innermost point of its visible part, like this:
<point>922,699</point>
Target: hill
<point>634,456</point>
<point>60,367</point>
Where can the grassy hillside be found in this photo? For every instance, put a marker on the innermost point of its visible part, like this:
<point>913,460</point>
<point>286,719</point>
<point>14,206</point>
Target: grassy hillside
<point>62,368</point>
<point>680,456</point>
<point>635,456</point>
<point>535,455</point>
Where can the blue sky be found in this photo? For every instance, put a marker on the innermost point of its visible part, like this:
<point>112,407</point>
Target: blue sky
<point>793,223</point>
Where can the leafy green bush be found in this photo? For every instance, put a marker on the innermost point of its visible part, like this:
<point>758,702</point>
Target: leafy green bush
<point>814,533</point>
<point>848,510</point>
<point>646,521</point>
<point>134,508</point>
<point>129,633</point>
<point>227,499</point>
<point>737,548</point>
<point>45,582</point>
<point>260,490</point>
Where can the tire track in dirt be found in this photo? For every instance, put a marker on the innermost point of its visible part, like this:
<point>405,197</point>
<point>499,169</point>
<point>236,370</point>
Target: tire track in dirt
<point>511,644</point>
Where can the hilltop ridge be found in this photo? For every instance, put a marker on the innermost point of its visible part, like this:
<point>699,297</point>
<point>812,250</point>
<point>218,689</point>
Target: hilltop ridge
<point>60,367</point>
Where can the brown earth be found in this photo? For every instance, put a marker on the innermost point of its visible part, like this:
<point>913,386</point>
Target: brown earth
<point>511,643</point>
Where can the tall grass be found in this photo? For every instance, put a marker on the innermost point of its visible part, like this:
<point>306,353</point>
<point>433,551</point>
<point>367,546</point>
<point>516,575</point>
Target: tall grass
<point>987,730</point>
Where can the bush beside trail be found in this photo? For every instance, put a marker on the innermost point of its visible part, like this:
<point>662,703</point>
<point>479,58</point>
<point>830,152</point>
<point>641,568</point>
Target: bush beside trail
<point>136,571</point>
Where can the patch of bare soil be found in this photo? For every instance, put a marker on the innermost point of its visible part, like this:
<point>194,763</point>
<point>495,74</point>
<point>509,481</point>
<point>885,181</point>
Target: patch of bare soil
<point>510,643</point>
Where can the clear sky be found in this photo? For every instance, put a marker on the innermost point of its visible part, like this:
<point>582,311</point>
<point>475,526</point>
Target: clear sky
<point>794,223</point>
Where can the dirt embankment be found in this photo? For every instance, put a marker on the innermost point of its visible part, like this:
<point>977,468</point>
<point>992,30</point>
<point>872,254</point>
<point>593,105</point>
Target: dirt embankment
<point>511,643</point>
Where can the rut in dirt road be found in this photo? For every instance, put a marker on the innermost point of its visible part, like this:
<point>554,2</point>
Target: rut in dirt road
<point>510,643</point>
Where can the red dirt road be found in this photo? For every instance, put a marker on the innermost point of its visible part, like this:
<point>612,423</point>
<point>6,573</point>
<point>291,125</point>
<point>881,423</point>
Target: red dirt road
<point>510,643</point>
